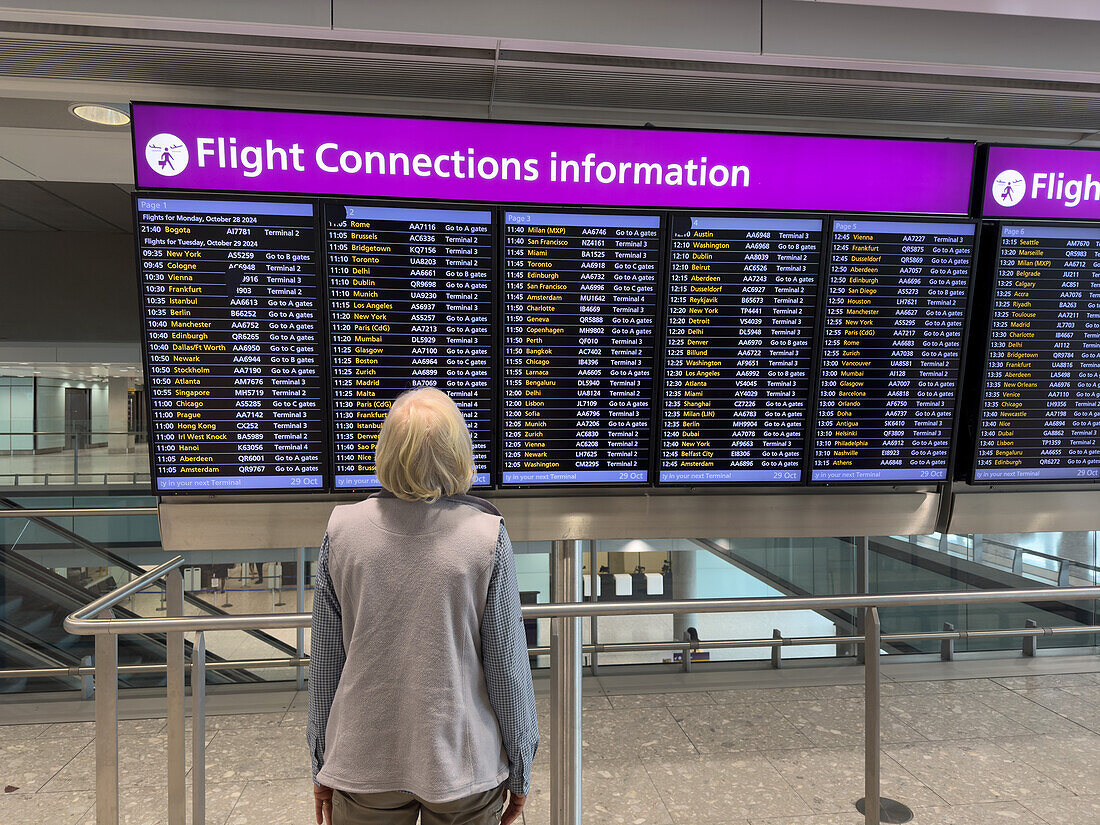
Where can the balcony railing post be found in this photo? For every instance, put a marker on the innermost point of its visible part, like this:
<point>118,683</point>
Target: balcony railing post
<point>565,699</point>
<point>177,740</point>
<point>1031,643</point>
<point>300,602</point>
<point>872,756</point>
<point>106,726</point>
<point>198,729</point>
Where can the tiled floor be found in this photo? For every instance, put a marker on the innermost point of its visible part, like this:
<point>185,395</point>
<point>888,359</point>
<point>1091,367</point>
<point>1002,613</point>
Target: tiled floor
<point>1014,743</point>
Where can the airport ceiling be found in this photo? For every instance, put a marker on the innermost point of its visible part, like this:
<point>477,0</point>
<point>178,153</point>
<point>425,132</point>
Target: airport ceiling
<point>982,77</point>
<point>53,206</point>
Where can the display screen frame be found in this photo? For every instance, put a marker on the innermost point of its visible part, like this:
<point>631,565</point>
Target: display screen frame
<point>659,395</point>
<point>495,323</point>
<point>663,216</point>
<point>996,226</point>
<point>961,379</point>
<point>970,207</point>
<point>326,423</point>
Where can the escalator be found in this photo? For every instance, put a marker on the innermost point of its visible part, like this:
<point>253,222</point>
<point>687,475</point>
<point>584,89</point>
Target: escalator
<point>897,564</point>
<point>33,603</point>
<point>34,600</point>
<point>756,563</point>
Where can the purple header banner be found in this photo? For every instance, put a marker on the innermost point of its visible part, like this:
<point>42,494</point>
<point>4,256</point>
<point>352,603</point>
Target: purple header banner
<point>1027,182</point>
<point>236,150</point>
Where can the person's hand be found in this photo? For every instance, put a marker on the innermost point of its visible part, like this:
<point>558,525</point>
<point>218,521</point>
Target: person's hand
<point>513,808</point>
<point>322,804</point>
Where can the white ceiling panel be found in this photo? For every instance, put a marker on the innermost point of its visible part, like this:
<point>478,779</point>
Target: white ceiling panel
<point>9,171</point>
<point>1062,9</point>
<point>65,155</point>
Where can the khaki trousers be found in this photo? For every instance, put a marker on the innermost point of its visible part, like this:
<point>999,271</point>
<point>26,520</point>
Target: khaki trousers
<point>402,809</point>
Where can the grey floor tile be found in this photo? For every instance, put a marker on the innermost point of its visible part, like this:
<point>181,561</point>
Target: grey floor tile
<point>45,808</point>
<point>242,720</point>
<point>839,722</point>
<point>126,727</point>
<point>10,734</point>
<point>660,700</point>
<point>148,804</point>
<point>595,702</point>
<point>951,716</point>
<point>990,813</point>
<point>1020,708</point>
<point>1055,680</point>
<point>274,802</point>
<point>1074,810</point>
<point>142,761</point>
<point>718,789</point>
<point>613,734</point>
<point>614,792</point>
<point>942,687</point>
<point>1073,760</point>
<point>1089,693</point>
<point>1065,704</point>
<point>30,765</point>
<point>853,818</point>
<point>972,771</point>
<point>294,718</point>
<point>734,727</point>
<point>831,780</point>
<point>748,696</point>
<point>254,754</point>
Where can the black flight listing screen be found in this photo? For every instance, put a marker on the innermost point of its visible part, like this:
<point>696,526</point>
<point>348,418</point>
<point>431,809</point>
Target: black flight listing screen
<point>410,305</point>
<point>1040,411</point>
<point>580,302</point>
<point>231,300</point>
<point>742,297</point>
<point>896,297</point>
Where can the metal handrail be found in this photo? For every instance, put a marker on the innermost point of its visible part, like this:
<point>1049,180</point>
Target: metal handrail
<point>79,512</point>
<point>564,714</point>
<point>1042,555</point>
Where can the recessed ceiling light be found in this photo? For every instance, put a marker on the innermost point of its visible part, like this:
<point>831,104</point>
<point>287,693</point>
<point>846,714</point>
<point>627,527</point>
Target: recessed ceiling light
<point>100,113</point>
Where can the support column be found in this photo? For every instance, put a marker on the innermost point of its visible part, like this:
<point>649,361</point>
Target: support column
<point>685,581</point>
<point>118,407</point>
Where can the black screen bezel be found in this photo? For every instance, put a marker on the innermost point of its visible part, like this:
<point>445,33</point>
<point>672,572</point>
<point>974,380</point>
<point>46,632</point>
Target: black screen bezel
<point>663,217</point>
<point>960,375</point>
<point>326,434</point>
<point>1083,483</point>
<point>494,318</point>
<point>824,218</point>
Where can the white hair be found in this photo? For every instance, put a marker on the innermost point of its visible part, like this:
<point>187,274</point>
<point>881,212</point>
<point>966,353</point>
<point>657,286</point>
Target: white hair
<point>424,450</point>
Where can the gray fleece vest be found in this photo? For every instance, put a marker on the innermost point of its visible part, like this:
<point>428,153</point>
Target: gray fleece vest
<point>412,711</point>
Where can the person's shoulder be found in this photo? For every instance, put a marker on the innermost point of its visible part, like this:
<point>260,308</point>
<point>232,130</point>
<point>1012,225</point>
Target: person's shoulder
<point>354,512</point>
<point>478,515</point>
<point>479,505</point>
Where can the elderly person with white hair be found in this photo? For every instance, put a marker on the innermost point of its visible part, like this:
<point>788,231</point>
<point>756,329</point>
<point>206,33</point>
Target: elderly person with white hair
<point>420,694</point>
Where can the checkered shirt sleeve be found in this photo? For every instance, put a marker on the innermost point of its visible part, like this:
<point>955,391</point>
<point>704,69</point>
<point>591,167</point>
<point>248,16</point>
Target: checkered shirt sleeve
<point>326,657</point>
<point>508,668</point>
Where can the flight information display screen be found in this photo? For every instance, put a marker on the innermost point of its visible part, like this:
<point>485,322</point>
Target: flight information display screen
<point>231,300</point>
<point>742,298</point>
<point>1040,409</point>
<point>896,296</point>
<point>580,304</point>
<point>410,305</point>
